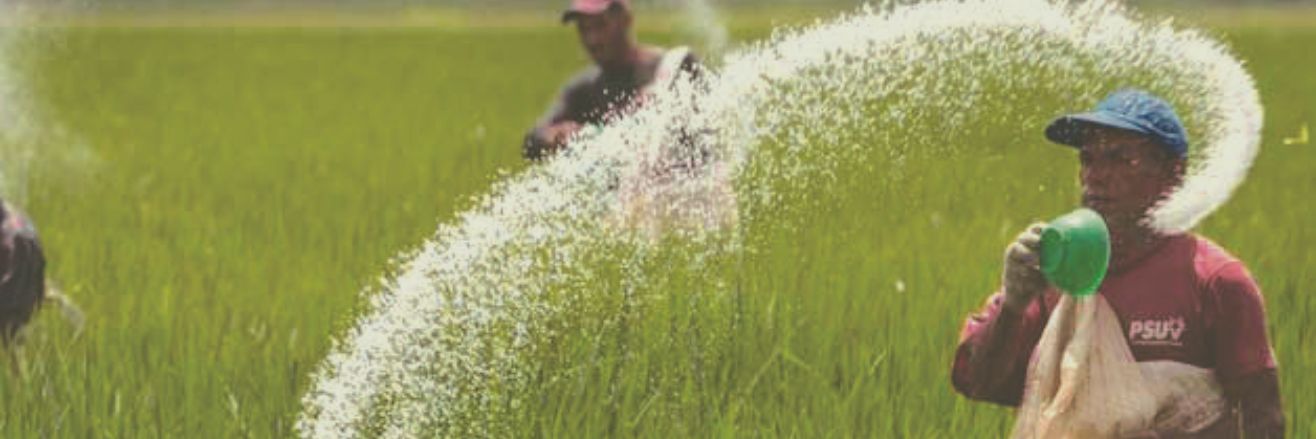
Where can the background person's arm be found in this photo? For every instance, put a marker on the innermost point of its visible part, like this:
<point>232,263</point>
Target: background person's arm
<point>551,133</point>
<point>560,121</point>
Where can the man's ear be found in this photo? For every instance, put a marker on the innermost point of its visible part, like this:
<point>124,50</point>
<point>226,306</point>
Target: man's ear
<point>1177,167</point>
<point>623,15</point>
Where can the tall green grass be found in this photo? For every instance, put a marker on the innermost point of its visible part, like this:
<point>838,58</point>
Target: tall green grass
<point>248,184</point>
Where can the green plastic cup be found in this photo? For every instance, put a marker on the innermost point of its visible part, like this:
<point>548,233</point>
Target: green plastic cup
<point>1076,252</point>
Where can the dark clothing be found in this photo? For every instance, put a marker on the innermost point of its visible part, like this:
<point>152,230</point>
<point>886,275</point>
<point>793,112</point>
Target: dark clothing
<point>593,97</point>
<point>22,272</point>
<point>1189,302</point>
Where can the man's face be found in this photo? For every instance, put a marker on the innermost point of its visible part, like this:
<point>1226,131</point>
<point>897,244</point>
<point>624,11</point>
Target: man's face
<point>1124,174</point>
<point>604,36</point>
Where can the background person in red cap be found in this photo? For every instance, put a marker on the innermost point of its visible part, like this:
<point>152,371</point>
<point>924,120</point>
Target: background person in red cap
<point>622,70</point>
<point>1178,297</point>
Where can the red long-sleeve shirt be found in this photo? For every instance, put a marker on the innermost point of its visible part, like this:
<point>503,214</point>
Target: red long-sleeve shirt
<point>1190,301</point>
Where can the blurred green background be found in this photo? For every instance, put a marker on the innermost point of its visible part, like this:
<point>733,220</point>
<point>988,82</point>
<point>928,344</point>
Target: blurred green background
<point>252,166</point>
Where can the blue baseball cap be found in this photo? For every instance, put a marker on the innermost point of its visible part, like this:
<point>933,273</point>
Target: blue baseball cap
<point>1129,110</point>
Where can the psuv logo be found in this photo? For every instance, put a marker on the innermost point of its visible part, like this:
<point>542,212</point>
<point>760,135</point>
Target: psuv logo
<point>1157,332</point>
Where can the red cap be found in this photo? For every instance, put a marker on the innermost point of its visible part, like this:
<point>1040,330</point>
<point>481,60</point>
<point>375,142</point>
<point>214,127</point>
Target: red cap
<point>591,7</point>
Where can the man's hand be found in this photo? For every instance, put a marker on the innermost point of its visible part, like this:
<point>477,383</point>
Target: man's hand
<point>1258,398</point>
<point>1022,277</point>
<point>560,132</point>
<point>546,140</point>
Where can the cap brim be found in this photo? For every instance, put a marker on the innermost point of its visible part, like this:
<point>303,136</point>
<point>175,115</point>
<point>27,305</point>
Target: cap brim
<point>574,13</point>
<point>568,16</point>
<point>1070,130</point>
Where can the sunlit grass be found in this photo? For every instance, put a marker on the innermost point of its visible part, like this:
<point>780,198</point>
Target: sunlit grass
<point>250,183</point>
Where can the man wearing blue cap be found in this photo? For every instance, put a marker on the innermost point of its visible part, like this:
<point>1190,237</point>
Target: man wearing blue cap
<point>1179,297</point>
<point>623,70</point>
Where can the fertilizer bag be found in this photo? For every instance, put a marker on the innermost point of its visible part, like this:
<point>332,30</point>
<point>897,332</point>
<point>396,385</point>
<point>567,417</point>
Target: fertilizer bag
<point>1083,382</point>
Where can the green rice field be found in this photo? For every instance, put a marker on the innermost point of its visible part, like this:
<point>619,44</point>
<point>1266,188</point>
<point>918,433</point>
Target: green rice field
<point>219,196</point>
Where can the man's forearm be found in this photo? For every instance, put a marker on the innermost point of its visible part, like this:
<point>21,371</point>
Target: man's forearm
<point>535,145</point>
<point>991,360</point>
<point>989,363</point>
<point>997,350</point>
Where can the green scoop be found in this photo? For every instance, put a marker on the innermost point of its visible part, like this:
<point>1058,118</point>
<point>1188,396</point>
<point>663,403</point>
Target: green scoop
<point>1076,252</point>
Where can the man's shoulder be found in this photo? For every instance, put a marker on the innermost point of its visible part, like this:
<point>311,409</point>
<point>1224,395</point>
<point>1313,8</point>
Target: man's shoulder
<point>689,60</point>
<point>582,80</point>
<point>1209,258</point>
<point>657,58</point>
<point>1218,269</point>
